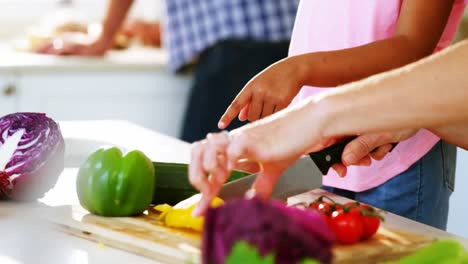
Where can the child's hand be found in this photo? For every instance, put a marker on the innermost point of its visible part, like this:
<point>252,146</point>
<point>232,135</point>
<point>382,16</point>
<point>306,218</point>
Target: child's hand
<point>270,91</point>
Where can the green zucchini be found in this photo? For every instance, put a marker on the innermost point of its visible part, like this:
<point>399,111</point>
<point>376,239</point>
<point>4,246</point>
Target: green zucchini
<point>172,183</point>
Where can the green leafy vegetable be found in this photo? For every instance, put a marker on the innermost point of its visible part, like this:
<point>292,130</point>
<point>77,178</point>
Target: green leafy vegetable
<point>245,253</point>
<point>439,252</point>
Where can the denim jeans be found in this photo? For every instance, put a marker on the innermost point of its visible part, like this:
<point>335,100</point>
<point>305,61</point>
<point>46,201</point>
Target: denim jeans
<point>420,193</point>
<point>221,73</point>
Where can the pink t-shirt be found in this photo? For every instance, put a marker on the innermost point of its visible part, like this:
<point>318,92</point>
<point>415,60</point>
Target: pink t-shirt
<point>338,24</point>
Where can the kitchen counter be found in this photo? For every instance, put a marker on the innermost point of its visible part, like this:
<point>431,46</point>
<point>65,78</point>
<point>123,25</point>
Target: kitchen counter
<point>133,84</point>
<point>135,58</point>
<point>28,239</point>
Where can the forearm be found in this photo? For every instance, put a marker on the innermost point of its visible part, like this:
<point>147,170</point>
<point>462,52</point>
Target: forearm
<point>419,28</point>
<point>333,68</point>
<point>113,20</point>
<point>455,134</point>
<point>430,93</point>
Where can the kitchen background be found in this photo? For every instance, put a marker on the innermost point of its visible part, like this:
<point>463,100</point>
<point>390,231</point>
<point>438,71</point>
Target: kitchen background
<point>131,84</point>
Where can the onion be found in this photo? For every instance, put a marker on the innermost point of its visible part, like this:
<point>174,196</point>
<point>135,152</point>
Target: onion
<point>32,152</point>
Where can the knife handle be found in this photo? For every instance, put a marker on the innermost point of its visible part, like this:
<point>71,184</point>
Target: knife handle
<point>325,158</point>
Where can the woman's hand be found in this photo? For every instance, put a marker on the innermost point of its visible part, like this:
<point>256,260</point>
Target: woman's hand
<point>270,91</point>
<point>366,147</point>
<point>274,143</point>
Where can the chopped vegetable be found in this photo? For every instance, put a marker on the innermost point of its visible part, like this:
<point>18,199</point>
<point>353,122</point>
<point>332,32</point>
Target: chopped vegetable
<point>291,234</point>
<point>439,252</point>
<point>180,216</point>
<point>110,184</point>
<point>32,152</point>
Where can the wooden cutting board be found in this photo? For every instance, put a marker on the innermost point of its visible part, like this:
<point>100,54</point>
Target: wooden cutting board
<point>143,236</point>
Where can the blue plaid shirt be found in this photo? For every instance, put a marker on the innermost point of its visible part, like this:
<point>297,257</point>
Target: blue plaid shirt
<point>191,26</point>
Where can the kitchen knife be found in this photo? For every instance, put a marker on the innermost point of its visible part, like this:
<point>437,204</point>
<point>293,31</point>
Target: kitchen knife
<point>304,175</point>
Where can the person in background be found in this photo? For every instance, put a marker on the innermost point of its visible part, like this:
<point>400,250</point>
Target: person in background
<point>430,93</point>
<point>335,42</point>
<point>230,41</point>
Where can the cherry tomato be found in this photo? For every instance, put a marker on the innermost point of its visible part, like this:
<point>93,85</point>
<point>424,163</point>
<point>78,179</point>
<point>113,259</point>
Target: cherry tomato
<point>321,206</point>
<point>331,207</point>
<point>326,208</point>
<point>371,225</point>
<point>371,222</point>
<point>315,205</point>
<point>347,226</point>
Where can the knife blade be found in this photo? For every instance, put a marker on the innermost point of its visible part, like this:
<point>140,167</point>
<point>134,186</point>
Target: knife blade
<point>302,176</point>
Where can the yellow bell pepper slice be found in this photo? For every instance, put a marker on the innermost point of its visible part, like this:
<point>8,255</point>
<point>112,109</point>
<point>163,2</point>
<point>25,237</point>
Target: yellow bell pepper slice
<point>180,216</point>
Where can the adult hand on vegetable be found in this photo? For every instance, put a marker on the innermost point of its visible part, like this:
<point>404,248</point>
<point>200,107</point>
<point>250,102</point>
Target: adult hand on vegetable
<point>375,146</point>
<point>268,92</point>
<point>73,44</point>
<point>275,143</point>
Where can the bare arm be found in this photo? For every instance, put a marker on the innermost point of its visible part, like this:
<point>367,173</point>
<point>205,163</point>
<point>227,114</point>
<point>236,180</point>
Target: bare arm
<point>114,17</point>
<point>419,28</point>
<point>431,93</point>
<point>454,134</point>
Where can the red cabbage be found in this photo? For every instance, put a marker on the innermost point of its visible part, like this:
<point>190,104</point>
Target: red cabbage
<point>291,234</point>
<point>32,165</point>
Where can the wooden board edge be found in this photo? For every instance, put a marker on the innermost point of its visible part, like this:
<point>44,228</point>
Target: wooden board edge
<point>160,253</point>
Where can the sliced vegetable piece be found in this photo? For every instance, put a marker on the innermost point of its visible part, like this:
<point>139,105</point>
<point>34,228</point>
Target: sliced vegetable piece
<point>180,216</point>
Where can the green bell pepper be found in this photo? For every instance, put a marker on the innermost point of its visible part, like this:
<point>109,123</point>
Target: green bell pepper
<point>110,184</point>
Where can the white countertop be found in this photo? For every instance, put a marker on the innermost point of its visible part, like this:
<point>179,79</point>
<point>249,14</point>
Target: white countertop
<point>135,58</point>
<point>27,239</point>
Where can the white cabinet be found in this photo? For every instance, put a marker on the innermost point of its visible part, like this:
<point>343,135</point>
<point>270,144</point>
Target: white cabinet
<point>8,93</point>
<point>155,99</point>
